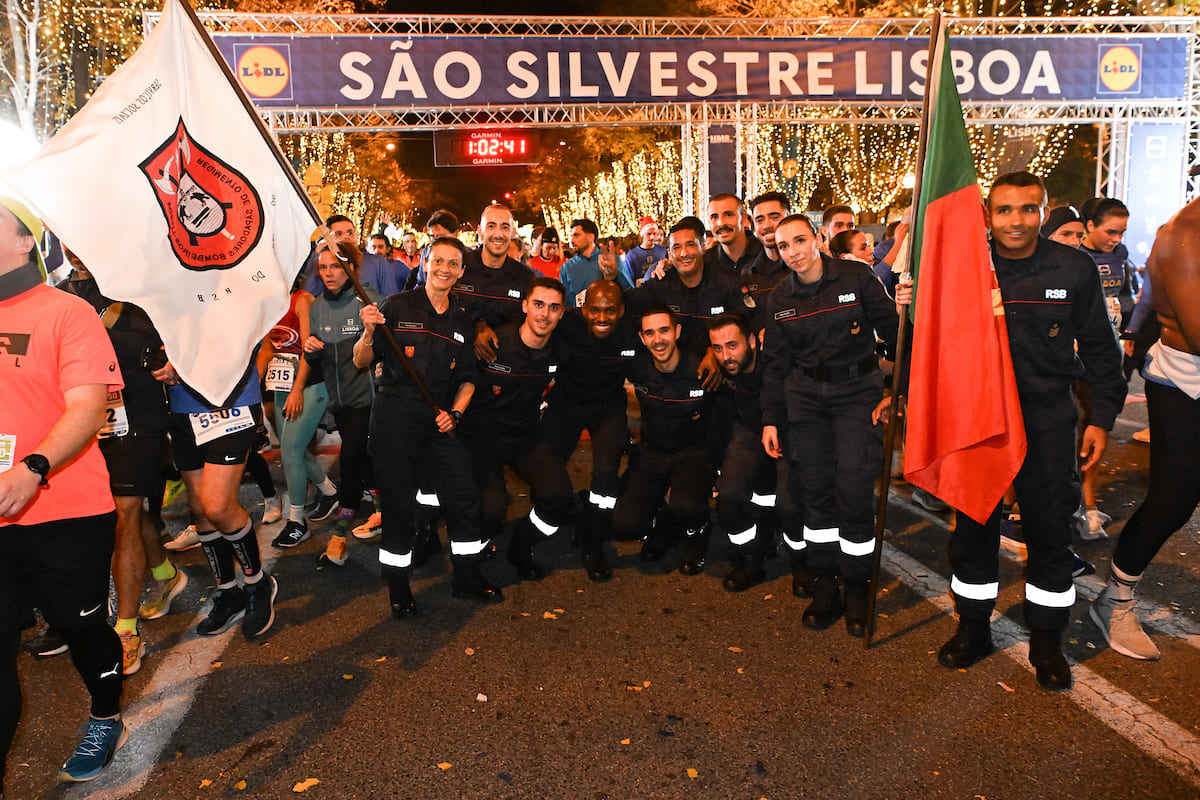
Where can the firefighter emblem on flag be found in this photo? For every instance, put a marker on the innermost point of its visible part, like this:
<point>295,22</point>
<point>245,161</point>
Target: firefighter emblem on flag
<point>214,216</point>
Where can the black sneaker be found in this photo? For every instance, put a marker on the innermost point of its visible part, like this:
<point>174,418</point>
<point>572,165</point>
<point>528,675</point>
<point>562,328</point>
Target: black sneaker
<point>260,607</point>
<point>228,607</point>
<point>293,533</point>
<point>49,643</point>
<point>326,505</point>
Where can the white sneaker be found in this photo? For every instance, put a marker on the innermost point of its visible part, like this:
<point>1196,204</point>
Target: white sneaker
<point>186,540</point>
<point>1121,628</point>
<point>272,510</point>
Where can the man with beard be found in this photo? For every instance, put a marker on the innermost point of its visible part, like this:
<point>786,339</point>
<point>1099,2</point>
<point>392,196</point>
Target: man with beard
<point>760,275</point>
<point>751,483</point>
<point>601,345</point>
<point>727,221</point>
<point>674,453</point>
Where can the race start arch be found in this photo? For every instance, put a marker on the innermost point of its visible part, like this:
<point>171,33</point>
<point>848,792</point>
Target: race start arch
<point>1137,78</point>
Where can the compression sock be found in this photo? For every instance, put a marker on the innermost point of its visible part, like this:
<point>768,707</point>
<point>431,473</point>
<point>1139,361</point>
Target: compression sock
<point>126,625</point>
<point>164,571</point>
<point>1120,585</point>
<point>245,547</point>
<point>220,558</point>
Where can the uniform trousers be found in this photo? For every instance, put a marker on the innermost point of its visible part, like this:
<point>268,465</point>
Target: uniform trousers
<point>607,425</point>
<point>756,493</point>
<point>1048,490</point>
<point>688,474</point>
<point>535,463</point>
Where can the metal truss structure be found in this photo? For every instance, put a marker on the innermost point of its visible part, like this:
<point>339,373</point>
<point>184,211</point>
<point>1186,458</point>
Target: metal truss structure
<point>1112,117</point>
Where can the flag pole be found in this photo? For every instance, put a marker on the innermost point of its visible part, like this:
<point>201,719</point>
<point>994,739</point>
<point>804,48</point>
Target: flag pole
<point>933,68</point>
<point>318,220</point>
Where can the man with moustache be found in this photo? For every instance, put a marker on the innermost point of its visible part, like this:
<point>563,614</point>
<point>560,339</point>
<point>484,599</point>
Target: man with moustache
<point>735,249</point>
<point>600,344</point>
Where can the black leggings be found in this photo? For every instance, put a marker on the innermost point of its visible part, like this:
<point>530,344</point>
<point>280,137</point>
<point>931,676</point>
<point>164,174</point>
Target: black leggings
<point>1174,478</point>
<point>353,424</point>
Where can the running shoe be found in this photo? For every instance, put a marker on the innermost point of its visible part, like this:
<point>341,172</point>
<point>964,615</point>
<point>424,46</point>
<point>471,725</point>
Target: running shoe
<point>1142,436</point>
<point>186,540</point>
<point>326,505</point>
<point>1121,628</point>
<point>272,510</point>
<point>228,607</point>
<point>335,552</point>
<point>158,602</point>
<point>49,643</point>
<point>293,533</point>
<point>260,607</point>
<point>101,741</point>
<point>133,648</point>
<point>371,528</point>
<point>1095,525</point>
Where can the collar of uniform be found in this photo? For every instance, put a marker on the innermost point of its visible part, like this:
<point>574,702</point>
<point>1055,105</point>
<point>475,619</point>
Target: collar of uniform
<point>830,271</point>
<point>19,281</point>
<point>1020,266</point>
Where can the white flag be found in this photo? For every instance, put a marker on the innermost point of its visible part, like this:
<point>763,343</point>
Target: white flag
<point>163,185</point>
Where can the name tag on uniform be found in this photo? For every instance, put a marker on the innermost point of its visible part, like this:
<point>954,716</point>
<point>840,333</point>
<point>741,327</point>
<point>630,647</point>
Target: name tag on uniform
<point>281,373</point>
<point>210,425</point>
<point>8,451</point>
<point>116,419</point>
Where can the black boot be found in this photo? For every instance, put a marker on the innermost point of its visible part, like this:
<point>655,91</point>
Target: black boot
<point>826,606</point>
<point>747,571</point>
<point>971,643</point>
<point>427,544</point>
<point>469,583</point>
<point>802,576</point>
<point>400,596</point>
<point>660,538</point>
<point>520,551</point>
<point>595,562</point>
<point>1046,656</point>
<point>695,552</point>
<point>857,599</point>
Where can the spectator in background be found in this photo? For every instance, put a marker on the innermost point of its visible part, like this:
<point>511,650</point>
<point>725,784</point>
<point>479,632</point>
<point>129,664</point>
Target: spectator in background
<point>834,220</point>
<point>442,224</point>
<point>548,260</point>
<point>642,259</point>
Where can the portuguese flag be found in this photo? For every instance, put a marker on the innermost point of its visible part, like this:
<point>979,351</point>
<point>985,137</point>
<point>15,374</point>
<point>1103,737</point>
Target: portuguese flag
<point>965,438</point>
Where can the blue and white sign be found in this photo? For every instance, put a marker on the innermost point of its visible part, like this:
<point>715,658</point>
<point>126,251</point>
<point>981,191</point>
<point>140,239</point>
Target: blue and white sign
<point>1154,188</point>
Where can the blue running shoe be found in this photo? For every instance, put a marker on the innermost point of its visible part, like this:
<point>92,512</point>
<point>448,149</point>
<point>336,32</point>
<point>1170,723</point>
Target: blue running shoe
<point>95,751</point>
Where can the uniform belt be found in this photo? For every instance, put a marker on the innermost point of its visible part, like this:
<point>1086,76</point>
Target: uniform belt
<point>839,374</point>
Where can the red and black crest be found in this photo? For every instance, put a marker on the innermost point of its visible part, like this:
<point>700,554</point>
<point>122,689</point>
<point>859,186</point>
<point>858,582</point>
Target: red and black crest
<point>214,216</point>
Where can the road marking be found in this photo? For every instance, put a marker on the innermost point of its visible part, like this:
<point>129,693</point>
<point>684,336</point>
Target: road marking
<point>1144,727</point>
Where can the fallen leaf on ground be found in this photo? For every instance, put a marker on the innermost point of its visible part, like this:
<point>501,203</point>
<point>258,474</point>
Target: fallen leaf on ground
<point>348,676</point>
<point>548,615</point>
<point>768,596</point>
<point>481,697</point>
<point>646,684</point>
<point>692,773</point>
<point>204,784</point>
<point>735,649</point>
<point>524,613</point>
<point>624,741</point>
<point>305,785</point>
<point>240,786</point>
<point>741,671</point>
<point>1004,686</point>
<point>217,664</point>
<point>470,651</point>
<point>560,611</point>
<point>380,659</point>
<point>445,765</point>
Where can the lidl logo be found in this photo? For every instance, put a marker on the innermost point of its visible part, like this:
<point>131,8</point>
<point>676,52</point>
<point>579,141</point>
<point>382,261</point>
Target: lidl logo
<point>265,71</point>
<point>1120,68</point>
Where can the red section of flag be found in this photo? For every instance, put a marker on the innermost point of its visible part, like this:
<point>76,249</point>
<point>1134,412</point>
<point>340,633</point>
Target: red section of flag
<point>965,436</point>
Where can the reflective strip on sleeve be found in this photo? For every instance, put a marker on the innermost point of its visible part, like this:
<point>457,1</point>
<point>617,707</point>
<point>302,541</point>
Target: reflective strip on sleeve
<point>1041,597</point>
<point>428,499</point>
<point>763,500</point>
<point>545,527</point>
<point>745,537</point>
<point>974,591</point>
<point>820,535</point>
<point>398,560</point>
<point>792,544</point>
<point>602,501</point>
<point>857,548</point>
<point>468,548</point>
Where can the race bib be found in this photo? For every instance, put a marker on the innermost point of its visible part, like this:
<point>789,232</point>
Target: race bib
<point>1114,311</point>
<point>8,451</point>
<point>116,420</point>
<point>281,374</point>
<point>210,425</point>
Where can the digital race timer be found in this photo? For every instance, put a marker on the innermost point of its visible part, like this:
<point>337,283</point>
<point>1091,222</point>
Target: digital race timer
<point>484,148</point>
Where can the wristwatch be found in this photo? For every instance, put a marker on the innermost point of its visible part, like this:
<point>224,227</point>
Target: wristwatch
<point>457,417</point>
<point>38,465</point>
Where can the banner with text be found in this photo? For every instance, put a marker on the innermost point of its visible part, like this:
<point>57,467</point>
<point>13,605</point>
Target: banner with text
<point>376,70</point>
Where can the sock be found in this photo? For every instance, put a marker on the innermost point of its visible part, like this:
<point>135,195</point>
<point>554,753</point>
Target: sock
<point>327,487</point>
<point>1120,585</point>
<point>244,545</point>
<point>126,625</point>
<point>220,558</point>
<point>296,514</point>
<point>164,571</point>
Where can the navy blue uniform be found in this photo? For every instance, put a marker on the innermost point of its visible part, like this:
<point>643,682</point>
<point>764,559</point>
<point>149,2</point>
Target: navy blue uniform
<point>493,295</point>
<point>821,383</point>
<point>674,452</point>
<point>719,292</point>
<point>759,277</point>
<point>716,256</point>
<point>405,442</point>
<point>1052,301</point>
<point>501,427</point>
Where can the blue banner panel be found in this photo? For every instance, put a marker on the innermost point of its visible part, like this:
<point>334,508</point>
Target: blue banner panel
<point>1154,188</point>
<point>364,71</point>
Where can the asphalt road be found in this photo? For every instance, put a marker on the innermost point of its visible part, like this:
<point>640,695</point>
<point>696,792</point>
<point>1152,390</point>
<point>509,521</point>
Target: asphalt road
<point>653,685</point>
